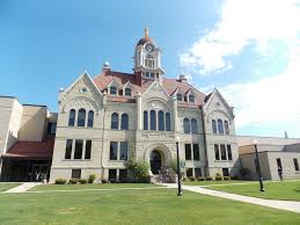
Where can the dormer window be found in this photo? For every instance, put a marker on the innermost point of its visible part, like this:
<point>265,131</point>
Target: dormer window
<point>127,92</point>
<point>191,98</point>
<point>179,97</point>
<point>113,90</point>
<point>185,98</point>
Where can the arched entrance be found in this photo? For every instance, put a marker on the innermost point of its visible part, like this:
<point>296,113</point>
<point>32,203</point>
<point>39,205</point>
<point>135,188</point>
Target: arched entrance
<point>155,161</point>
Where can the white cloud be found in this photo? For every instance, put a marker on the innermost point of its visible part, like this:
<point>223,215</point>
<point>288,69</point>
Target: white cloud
<point>243,22</point>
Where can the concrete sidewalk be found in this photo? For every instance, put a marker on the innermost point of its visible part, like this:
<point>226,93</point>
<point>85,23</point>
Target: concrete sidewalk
<point>22,188</point>
<point>277,204</point>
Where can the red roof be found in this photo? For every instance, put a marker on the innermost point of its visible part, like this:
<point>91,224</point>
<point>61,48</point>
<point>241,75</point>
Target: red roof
<point>170,85</point>
<point>32,150</point>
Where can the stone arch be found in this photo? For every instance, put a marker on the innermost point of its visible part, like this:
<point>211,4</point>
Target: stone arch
<point>80,102</point>
<point>210,116</point>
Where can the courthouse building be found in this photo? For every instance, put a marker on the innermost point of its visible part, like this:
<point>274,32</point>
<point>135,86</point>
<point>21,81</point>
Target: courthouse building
<point>104,121</point>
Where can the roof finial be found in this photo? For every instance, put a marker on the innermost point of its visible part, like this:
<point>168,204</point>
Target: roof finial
<point>146,33</point>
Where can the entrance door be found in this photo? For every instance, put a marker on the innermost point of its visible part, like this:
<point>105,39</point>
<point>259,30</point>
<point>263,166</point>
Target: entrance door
<point>155,162</point>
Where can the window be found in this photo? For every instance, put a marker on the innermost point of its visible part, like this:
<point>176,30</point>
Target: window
<point>189,172</point>
<point>152,75</point>
<point>185,98</point>
<point>112,175</point>
<point>113,90</point>
<point>147,74</point>
<point>90,119</point>
<point>88,149</point>
<point>191,98</point>
<point>179,97</point>
<point>81,118</point>
<point>188,152</point>
<point>124,122</point>
<point>223,152</point>
<point>113,151</point>
<point>115,121</point>
<point>168,121</point>
<point>152,120</point>
<point>68,153</point>
<point>51,128</point>
<point>123,150</point>
<point>122,175</point>
<point>145,120</point>
<point>78,149</point>
<point>196,152</point>
<point>220,126</point>
<point>229,153</point>
<point>72,116</point>
<point>214,126</point>
<point>194,126</point>
<point>161,120</point>
<point>226,127</point>
<point>296,165</point>
<point>76,173</point>
<point>217,153</point>
<point>279,165</point>
<point>127,92</point>
<point>198,172</point>
<point>225,172</point>
<point>120,92</point>
<point>186,126</point>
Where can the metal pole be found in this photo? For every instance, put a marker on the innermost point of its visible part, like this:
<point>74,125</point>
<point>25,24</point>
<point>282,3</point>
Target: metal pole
<point>179,192</point>
<point>260,179</point>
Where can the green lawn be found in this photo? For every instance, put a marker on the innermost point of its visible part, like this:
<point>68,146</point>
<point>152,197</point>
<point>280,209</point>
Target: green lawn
<point>4,186</point>
<point>134,207</point>
<point>286,190</point>
<point>205,183</point>
<point>88,186</point>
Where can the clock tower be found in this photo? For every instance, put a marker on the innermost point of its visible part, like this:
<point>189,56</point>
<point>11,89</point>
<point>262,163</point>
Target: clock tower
<point>147,59</point>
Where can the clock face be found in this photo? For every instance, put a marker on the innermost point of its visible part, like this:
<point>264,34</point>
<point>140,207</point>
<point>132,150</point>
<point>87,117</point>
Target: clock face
<point>149,47</point>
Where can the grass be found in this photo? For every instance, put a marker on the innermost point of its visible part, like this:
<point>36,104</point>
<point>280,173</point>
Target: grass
<point>286,190</point>
<point>49,187</point>
<point>134,207</point>
<point>7,185</point>
<point>205,183</point>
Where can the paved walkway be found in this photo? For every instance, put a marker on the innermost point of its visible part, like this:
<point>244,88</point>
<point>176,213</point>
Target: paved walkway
<point>22,188</point>
<point>283,205</point>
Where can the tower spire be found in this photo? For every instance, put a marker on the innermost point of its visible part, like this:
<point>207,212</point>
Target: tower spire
<point>146,33</point>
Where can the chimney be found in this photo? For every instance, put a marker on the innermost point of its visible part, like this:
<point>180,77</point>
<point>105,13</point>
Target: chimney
<point>182,78</point>
<point>106,67</point>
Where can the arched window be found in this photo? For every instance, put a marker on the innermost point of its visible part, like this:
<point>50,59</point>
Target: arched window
<point>161,120</point>
<point>194,126</point>
<point>220,126</point>
<point>179,97</point>
<point>124,122</point>
<point>214,126</point>
<point>90,119</point>
<point>153,120</point>
<point>81,118</point>
<point>168,121</point>
<point>72,117</point>
<point>186,126</point>
<point>226,125</point>
<point>191,98</point>
<point>127,92</point>
<point>113,90</point>
<point>115,121</point>
<point>145,120</point>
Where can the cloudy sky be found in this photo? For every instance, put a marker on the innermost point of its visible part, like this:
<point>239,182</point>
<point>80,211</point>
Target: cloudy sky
<point>248,49</point>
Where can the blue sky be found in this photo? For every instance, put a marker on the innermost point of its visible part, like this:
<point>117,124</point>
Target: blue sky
<point>218,43</point>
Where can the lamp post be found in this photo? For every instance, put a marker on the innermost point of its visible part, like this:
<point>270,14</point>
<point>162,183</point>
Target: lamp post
<point>179,192</point>
<point>260,179</point>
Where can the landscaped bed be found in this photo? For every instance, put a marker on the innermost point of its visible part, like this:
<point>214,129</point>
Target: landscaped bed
<point>286,190</point>
<point>151,207</point>
<point>4,186</point>
<point>210,182</point>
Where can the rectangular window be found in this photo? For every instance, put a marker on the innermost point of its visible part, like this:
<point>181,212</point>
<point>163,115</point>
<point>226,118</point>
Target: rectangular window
<point>123,150</point>
<point>68,153</point>
<point>225,171</point>
<point>123,175</point>
<point>188,152</point>
<point>296,164</point>
<point>279,163</point>
<point>113,154</point>
<point>112,174</point>
<point>76,173</point>
<point>198,172</point>
<point>189,172</point>
<point>196,152</point>
<point>229,153</point>
<point>78,149</point>
<point>217,153</point>
<point>88,149</point>
<point>223,152</point>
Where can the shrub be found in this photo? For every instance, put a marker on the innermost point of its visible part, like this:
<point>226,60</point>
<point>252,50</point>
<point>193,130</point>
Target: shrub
<point>191,178</point>
<point>200,178</point>
<point>245,172</point>
<point>73,181</point>
<point>183,179</point>
<point>227,178</point>
<point>92,178</point>
<point>209,178</point>
<point>218,178</point>
<point>234,178</point>
<point>104,181</point>
<point>60,181</point>
<point>138,171</point>
<point>83,181</point>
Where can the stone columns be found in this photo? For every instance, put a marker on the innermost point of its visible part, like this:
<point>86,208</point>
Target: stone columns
<point>139,111</point>
<point>175,114</point>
